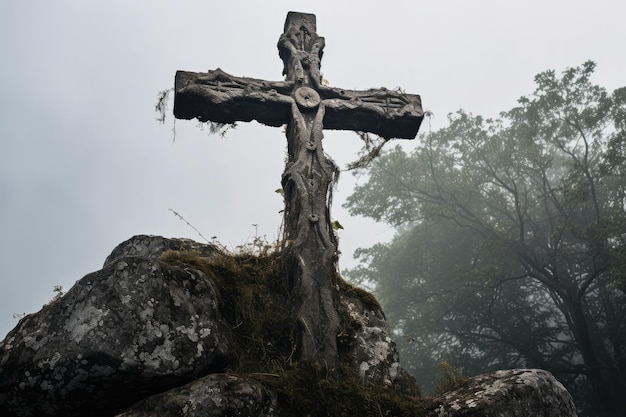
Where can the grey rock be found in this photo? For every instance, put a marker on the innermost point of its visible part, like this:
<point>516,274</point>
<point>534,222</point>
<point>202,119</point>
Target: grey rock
<point>370,350</point>
<point>132,329</point>
<point>148,246</point>
<point>510,393</point>
<point>215,395</point>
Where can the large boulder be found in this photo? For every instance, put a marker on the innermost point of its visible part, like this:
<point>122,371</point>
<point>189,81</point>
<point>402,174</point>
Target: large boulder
<point>132,329</point>
<point>214,395</point>
<point>509,393</point>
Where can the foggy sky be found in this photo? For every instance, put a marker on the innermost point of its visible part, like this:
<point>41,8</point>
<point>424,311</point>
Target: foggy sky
<point>85,166</point>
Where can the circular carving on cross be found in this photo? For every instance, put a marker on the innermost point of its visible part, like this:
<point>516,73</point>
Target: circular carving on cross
<point>307,98</point>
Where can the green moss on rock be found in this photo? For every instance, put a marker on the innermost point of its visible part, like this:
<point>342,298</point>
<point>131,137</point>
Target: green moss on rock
<point>255,303</point>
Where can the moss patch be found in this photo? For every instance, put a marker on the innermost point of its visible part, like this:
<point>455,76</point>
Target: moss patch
<point>255,302</point>
<point>313,390</point>
<point>450,378</point>
<point>367,298</point>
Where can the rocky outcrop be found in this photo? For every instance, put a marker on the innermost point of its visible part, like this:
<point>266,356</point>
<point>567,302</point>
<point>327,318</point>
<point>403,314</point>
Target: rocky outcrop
<point>147,336</point>
<point>510,393</point>
<point>135,328</point>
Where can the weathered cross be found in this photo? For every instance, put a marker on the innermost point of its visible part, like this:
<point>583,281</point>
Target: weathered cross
<point>306,106</point>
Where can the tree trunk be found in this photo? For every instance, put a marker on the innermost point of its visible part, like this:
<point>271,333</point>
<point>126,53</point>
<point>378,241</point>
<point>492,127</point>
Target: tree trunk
<point>606,382</point>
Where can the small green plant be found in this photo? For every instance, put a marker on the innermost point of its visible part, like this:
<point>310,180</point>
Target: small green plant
<point>189,224</point>
<point>259,246</point>
<point>58,289</point>
<point>450,378</point>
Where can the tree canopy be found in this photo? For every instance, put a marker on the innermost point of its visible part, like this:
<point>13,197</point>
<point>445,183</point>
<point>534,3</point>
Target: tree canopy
<point>511,242</point>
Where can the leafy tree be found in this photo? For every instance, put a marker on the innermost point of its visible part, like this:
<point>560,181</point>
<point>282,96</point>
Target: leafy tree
<point>511,247</point>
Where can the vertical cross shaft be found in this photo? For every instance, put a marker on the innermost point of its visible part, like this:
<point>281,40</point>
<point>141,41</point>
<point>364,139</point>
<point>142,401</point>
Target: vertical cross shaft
<point>307,182</point>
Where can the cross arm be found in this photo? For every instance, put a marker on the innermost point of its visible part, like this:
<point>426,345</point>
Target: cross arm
<point>387,113</point>
<point>223,98</point>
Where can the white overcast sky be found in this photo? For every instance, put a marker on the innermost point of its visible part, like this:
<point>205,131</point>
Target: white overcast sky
<point>85,166</point>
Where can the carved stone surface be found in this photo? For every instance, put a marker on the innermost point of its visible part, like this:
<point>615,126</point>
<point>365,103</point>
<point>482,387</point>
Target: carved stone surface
<point>307,107</point>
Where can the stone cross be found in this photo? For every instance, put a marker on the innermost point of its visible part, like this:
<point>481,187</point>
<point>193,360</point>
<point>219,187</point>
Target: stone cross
<point>306,106</point>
